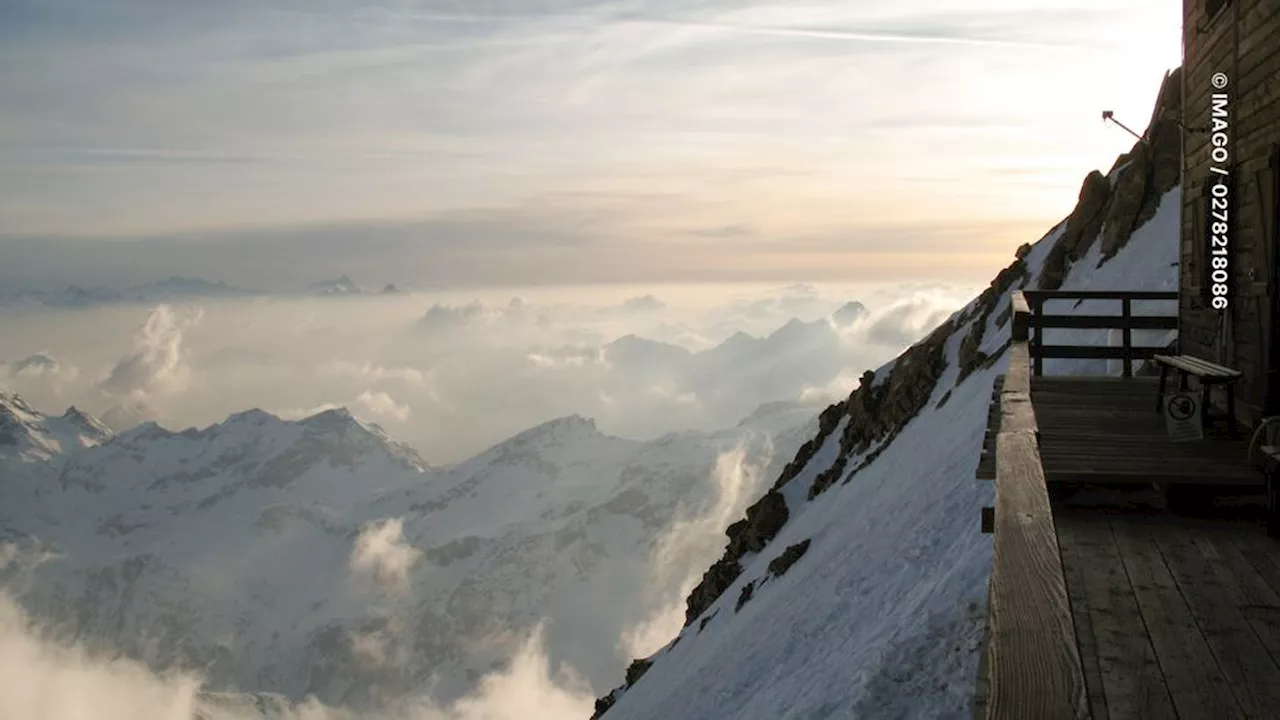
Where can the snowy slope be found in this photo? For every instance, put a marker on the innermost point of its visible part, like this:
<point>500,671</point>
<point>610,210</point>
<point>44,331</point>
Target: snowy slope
<point>319,557</point>
<point>881,609</point>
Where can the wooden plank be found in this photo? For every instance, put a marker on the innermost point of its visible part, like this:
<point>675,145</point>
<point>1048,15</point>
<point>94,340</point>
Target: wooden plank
<point>1123,658</point>
<point>1127,333</point>
<point>1196,683</point>
<point>1034,664</point>
<point>1103,322</point>
<point>1086,638</point>
<point>1214,601</point>
<point>1097,352</point>
<point>1196,366</point>
<point>1100,294</point>
<point>1085,476</point>
<point>1257,599</point>
<point>1263,553</point>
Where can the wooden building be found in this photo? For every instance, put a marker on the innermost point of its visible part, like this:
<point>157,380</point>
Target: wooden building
<point>1135,570</point>
<point>1231,55</point>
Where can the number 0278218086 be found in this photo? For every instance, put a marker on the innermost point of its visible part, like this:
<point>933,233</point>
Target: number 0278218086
<point>1219,246</point>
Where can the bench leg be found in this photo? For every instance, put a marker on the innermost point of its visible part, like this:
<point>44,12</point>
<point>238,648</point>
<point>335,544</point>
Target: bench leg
<point>1273,505</point>
<point>1204,404</point>
<point>1164,377</point>
<point>1232,427</point>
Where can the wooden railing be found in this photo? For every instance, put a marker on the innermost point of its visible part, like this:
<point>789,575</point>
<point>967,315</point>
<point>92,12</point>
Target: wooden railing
<point>1028,313</point>
<point>1032,663</point>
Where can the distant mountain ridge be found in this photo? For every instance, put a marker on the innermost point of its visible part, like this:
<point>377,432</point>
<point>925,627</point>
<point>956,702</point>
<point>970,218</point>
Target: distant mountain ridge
<point>177,289</point>
<point>235,548</point>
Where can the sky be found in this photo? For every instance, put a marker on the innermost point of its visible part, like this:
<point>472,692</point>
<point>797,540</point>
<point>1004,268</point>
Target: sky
<point>269,143</point>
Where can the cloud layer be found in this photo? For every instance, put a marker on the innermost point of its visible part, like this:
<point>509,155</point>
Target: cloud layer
<point>452,373</point>
<point>46,679</point>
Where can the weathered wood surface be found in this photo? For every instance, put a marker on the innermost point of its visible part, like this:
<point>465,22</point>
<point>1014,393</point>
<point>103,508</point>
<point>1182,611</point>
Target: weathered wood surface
<point>1195,682</point>
<point>1198,366</point>
<point>1215,601</point>
<point>1034,668</point>
<point>1175,617</point>
<point>1104,431</point>
<point>1120,666</point>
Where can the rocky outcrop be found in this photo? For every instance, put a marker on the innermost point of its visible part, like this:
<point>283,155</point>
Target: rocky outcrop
<point>636,670</point>
<point>781,564</point>
<point>878,412</point>
<point>744,597</point>
<point>970,356</point>
<point>763,521</point>
<point>1113,209</point>
<point>827,423</point>
<point>603,704</point>
<point>1083,225</point>
<point>1153,170</point>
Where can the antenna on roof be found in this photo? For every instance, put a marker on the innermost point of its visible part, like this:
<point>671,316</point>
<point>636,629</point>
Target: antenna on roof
<point>1109,115</point>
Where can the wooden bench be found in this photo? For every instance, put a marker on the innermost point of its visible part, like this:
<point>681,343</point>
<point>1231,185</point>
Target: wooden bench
<point>1208,374</point>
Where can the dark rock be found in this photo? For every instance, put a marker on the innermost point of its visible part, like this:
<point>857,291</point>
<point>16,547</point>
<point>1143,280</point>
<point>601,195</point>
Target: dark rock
<point>745,596</point>
<point>1083,225</point>
<point>1153,170</point>
<point>827,422</point>
<point>636,670</point>
<point>602,706</point>
<point>781,564</point>
<point>763,521</point>
<point>877,413</point>
<point>970,357</point>
<point>718,577</point>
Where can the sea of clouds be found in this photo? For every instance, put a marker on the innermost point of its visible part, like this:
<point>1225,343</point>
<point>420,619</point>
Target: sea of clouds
<point>452,373</point>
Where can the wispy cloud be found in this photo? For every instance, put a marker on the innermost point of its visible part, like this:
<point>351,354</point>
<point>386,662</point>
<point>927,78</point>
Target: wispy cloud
<point>785,118</point>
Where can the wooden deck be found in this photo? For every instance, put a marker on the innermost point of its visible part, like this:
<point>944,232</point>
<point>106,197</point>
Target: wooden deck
<point>1105,431</point>
<point>1103,602</point>
<point>1175,617</point>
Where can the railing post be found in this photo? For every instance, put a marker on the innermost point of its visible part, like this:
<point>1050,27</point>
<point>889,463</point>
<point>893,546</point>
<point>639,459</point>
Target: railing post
<point>1021,316</point>
<point>1037,342</point>
<point>1126,331</point>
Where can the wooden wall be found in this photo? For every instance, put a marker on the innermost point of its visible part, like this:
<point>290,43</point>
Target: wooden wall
<point>1243,41</point>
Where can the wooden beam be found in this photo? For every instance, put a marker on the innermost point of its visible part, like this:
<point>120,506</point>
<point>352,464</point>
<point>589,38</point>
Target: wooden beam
<point>1100,294</point>
<point>1126,311</point>
<point>1096,352</point>
<point>1034,663</point>
<point>1106,322</point>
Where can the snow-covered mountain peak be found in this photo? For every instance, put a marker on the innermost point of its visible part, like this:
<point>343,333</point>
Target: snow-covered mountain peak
<point>339,286</point>
<point>554,432</point>
<point>28,435</point>
<point>91,425</point>
<point>849,314</point>
<point>250,449</point>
